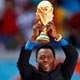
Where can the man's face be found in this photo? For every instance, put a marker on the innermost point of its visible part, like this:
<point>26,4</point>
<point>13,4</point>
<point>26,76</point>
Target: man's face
<point>45,60</point>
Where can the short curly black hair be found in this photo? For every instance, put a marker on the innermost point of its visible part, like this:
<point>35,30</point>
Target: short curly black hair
<point>45,46</point>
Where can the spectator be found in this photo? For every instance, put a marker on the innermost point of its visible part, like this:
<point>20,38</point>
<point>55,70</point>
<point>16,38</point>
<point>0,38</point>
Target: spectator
<point>9,28</point>
<point>73,27</point>
<point>25,20</point>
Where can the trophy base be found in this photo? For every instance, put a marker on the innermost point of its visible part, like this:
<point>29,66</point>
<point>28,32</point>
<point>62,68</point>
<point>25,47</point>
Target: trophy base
<point>43,38</point>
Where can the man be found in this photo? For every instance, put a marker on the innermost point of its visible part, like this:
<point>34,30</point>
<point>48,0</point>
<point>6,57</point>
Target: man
<point>45,57</point>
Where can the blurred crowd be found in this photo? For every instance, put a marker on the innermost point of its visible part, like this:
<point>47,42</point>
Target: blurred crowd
<point>17,18</point>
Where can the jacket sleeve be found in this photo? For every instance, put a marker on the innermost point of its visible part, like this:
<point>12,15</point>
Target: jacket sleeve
<point>23,62</point>
<point>70,61</point>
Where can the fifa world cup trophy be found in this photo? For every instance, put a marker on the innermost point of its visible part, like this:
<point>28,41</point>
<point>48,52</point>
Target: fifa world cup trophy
<point>45,15</point>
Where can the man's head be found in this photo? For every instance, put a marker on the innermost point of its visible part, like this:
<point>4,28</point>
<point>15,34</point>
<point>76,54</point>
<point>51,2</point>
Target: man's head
<point>45,57</point>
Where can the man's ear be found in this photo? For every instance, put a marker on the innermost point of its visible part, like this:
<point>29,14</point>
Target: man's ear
<point>54,61</point>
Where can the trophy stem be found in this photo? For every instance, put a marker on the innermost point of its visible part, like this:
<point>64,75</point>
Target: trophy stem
<point>43,37</point>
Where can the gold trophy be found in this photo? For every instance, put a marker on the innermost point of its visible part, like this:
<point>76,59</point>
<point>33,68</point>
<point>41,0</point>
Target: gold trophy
<point>45,15</point>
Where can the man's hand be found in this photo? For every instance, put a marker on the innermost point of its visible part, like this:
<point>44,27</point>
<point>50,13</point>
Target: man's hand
<point>37,28</point>
<point>52,30</point>
<point>52,33</point>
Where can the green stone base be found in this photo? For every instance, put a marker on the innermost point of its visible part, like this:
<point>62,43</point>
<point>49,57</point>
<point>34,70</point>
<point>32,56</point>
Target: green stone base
<point>43,38</point>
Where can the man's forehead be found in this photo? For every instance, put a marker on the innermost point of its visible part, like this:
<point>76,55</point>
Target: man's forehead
<point>45,50</point>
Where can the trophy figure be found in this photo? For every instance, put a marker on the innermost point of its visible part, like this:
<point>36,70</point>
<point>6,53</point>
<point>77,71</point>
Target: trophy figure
<point>45,15</point>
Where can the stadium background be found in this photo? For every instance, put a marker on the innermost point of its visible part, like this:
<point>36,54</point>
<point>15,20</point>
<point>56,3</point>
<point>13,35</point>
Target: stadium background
<point>16,21</point>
